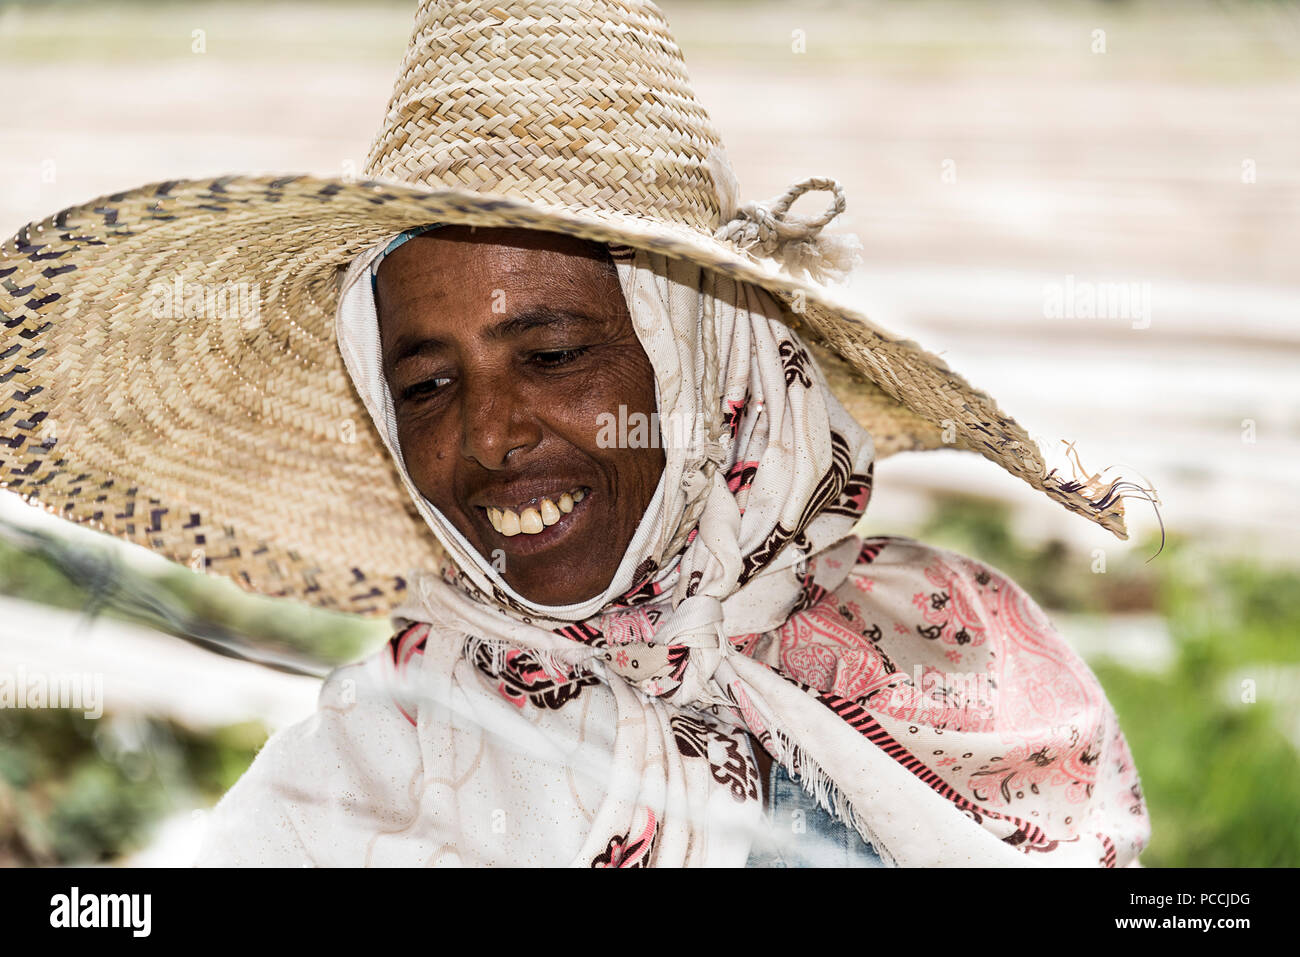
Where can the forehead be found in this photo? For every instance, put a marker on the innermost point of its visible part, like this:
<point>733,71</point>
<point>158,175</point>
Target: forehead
<point>454,282</point>
<point>458,258</point>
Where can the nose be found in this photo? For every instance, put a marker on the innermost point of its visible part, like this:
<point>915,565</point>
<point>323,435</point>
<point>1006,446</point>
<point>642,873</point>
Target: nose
<point>495,420</point>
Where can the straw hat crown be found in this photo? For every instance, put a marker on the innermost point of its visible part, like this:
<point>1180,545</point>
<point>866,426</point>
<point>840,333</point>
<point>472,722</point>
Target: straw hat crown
<point>582,105</point>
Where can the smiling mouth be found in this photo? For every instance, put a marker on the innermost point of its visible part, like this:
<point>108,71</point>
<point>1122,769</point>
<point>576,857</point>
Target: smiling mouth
<point>535,516</point>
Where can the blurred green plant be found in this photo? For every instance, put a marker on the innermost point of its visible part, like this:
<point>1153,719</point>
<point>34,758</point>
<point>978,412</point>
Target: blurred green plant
<point>205,609</point>
<point>79,791</point>
<point>1218,770</point>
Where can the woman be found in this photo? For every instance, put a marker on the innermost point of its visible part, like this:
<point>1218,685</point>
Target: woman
<point>492,357</point>
<point>637,628</point>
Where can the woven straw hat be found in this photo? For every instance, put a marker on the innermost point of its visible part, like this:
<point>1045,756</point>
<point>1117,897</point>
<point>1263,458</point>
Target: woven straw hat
<point>168,353</point>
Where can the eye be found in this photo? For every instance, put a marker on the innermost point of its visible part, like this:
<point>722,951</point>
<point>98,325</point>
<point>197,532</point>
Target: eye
<point>551,358</point>
<point>422,390</point>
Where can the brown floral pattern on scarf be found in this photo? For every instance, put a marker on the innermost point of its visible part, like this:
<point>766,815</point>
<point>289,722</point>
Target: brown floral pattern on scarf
<point>737,769</point>
<point>523,679</point>
<point>627,850</point>
<point>828,491</point>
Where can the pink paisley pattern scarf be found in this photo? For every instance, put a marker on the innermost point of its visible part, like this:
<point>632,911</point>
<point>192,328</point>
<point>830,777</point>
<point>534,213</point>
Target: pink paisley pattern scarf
<point>920,696</point>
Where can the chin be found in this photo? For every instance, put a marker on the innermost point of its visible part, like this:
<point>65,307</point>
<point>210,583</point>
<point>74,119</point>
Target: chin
<point>547,593</point>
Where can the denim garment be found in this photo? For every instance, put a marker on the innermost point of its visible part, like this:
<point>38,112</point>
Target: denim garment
<point>800,834</point>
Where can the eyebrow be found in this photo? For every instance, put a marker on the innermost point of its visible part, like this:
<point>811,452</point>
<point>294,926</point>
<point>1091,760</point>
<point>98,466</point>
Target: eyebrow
<point>409,346</point>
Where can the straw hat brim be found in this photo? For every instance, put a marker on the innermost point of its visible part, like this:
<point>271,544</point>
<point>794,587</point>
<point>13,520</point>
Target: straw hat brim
<point>140,402</point>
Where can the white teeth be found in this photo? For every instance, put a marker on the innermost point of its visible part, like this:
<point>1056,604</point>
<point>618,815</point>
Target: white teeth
<point>533,519</point>
<point>530,522</point>
<point>550,514</point>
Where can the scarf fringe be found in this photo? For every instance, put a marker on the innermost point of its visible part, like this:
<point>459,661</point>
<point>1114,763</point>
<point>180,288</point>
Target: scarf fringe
<point>819,785</point>
<point>558,663</point>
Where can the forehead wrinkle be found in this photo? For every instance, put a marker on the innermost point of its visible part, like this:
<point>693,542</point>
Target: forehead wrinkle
<point>410,339</point>
<point>535,317</point>
<point>410,347</point>
<point>412,344</point>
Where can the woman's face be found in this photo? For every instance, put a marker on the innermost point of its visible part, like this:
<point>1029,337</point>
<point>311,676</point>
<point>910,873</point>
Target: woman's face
<point>502,348</point>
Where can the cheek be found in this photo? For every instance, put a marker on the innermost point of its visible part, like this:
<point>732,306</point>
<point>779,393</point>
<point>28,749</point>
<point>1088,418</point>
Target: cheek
<point>622,377</point>
<point>627,380</point>
<point>427,461</point>
<point>643,468</point>
<point>619,385</point>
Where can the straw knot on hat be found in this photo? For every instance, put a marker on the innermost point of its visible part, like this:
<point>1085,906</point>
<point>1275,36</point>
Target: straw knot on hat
<point>168,351</point>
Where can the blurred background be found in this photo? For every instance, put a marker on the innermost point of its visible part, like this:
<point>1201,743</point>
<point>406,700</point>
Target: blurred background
<point>998,158</point>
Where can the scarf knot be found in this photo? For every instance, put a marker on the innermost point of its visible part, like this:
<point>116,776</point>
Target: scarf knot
<point>682,656</point>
